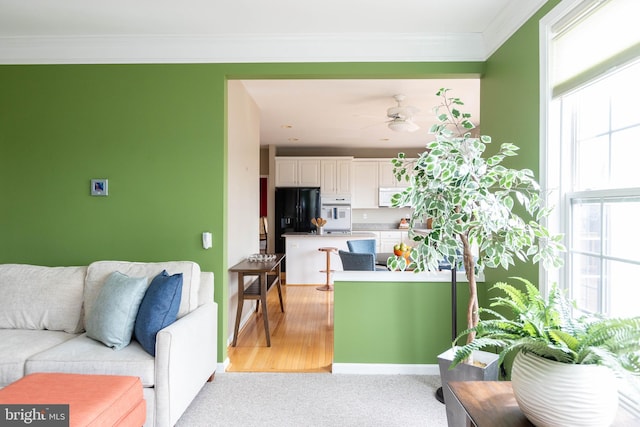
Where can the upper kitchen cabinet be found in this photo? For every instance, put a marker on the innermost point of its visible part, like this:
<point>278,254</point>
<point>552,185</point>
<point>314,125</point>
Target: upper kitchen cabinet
<point>336,176</point>
<point>386,178</point>
<point>297,172</point>
<point>365,184</point>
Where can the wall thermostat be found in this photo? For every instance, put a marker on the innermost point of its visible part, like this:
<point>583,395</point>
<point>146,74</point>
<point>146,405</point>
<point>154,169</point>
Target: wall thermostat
<point>99,187</point>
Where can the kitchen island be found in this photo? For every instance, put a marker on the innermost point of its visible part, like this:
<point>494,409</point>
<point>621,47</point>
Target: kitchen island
<point>305,261</point>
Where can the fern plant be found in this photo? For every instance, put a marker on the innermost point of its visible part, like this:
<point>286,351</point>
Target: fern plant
<point>547,328</point>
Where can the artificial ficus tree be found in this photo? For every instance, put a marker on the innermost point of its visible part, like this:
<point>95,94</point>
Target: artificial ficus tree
<point>472,201</point>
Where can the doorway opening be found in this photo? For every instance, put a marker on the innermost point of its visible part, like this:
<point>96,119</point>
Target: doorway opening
<point>280,133</point>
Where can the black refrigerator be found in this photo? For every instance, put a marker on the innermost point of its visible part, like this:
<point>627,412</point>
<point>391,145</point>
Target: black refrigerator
<point>295,207</point>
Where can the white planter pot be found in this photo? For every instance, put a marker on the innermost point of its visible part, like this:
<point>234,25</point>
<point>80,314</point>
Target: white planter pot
<point>554,394</point>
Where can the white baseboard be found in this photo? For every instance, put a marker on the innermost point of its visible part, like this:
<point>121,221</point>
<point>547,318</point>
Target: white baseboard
<point>369,368</point>
<point>222,367</point>
<point>384,369</point>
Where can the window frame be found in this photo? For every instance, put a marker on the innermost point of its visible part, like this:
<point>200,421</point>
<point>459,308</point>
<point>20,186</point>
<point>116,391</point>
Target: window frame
<point>556,181</point>
<point>553,178</point>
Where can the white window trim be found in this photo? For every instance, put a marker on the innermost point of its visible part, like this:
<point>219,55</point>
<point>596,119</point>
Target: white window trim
<point>549,160</point>
<point>559,218</point>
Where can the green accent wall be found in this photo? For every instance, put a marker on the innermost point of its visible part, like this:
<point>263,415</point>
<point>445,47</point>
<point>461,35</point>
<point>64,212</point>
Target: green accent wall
<point>394,322</point>
<point>510,112</point>
<point>148,129</point>
<point>158,133</point>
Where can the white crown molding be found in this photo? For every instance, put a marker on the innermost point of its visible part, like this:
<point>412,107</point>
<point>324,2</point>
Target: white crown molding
<point>510,19</point>
<point>377,47</point>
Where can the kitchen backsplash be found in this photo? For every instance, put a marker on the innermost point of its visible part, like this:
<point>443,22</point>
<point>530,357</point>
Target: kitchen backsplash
<point>378,219</point>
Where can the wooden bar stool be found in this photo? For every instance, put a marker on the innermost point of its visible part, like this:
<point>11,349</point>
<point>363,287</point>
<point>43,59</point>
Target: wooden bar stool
<point>328,251</point>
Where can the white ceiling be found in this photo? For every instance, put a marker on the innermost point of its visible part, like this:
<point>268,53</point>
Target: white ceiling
<point>336,112</point>
<point>350,113</point>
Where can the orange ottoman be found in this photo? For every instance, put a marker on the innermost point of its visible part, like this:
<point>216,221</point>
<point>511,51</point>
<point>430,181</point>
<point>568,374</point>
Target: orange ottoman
<point>94,400</point>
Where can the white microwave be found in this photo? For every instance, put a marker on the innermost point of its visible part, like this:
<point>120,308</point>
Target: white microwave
<point>386,193</point>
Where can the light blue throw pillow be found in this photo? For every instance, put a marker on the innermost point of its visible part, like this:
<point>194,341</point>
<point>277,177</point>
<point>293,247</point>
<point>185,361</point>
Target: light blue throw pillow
<point>159,309</point>
<point>114,313</point>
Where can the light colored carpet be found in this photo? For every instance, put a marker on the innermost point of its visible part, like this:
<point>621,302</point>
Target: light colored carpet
<point>309,399</point>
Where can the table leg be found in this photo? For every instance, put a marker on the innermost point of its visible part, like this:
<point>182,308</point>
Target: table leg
<point>279,288</point>
<point>239,308</point>
<point>265,315</point>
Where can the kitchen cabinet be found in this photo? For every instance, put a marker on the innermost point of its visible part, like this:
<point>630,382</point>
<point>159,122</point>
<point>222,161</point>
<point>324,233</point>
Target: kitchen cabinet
<point>297,172</point>
<point>386,178</point>
<point>376,235</point>
<point>365,184</point>
<point>385,174</point>
<point>392,237</point>
<point>336,176</point>
<point>368,176</point>
<point>387,239</point>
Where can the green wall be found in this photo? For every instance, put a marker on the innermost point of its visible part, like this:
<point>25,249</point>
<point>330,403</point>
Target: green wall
<point>510,112</point>
<point>157,132</point>
<point>394,322</point>
<point>148,129</point>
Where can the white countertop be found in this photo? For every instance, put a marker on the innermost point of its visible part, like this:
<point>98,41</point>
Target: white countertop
<point>399,276</point>
<point>329,234</point>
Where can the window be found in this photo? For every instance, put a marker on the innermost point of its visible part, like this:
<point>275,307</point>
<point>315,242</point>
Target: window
<point>590,92</point>
<point>599,129</point>
<point>589,85</point>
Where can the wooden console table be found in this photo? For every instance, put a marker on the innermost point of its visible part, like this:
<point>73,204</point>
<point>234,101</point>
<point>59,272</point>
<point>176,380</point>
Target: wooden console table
<point>489,403</point>
<point>268,274</point>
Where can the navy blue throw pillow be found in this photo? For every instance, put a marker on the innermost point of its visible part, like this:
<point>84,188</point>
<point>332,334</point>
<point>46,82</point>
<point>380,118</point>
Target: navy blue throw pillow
<point>159,309</point>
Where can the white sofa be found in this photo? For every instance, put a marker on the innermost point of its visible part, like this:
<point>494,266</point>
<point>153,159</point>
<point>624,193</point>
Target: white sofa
<point>42,329</point>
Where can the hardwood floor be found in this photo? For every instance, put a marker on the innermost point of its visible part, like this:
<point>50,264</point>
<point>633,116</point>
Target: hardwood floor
<point>301,337</point>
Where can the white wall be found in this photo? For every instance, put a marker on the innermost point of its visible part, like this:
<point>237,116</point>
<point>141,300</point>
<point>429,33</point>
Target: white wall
<point>244,186</point>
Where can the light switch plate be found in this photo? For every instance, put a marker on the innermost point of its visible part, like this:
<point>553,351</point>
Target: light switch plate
<point>207,240</point>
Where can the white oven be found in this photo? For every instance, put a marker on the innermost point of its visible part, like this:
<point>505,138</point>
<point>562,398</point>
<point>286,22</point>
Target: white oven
<point>337,212</point>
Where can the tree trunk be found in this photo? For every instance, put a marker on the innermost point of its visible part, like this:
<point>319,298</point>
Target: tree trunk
<point>470,271</point>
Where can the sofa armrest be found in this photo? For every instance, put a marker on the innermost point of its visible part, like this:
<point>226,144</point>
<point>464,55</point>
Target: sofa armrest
<point>186,357</point>
<point>205,293</point>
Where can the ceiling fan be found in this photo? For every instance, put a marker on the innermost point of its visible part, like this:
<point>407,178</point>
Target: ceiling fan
<point>401,116</point>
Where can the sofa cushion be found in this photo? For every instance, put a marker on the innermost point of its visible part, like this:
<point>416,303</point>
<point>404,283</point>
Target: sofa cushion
<point>158,309</point>
<point>17,345</point>
<point>97,273</point>
<point>83,355</point>
<point>36,297</point>
<point>112,319</point>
